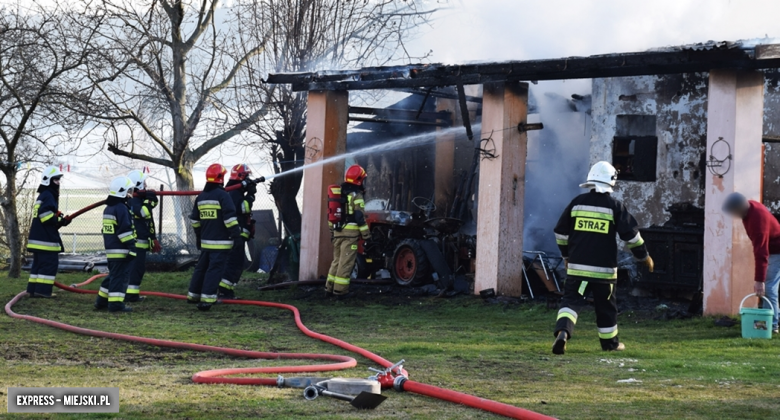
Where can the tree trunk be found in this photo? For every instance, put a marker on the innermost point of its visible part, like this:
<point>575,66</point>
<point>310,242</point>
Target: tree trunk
<point>183,204</point>
<point>11,221</point>
<point>285,188</point>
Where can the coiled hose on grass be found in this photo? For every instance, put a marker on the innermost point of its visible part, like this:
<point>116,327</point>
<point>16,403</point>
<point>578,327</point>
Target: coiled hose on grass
<point>337,362</point>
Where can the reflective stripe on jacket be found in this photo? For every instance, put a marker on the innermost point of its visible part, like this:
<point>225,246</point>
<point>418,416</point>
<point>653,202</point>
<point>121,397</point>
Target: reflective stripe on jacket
<point>243,203</point>
<point>355,224</point>
<point>143,219</point>
<point>119,236</point>
<point>44,229</point>
<point>214,218</point>
<point>586,231</point>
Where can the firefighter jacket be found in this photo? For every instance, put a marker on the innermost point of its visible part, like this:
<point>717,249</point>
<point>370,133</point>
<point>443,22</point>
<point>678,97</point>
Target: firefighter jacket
<point>354,219</point>
<point>141,205</point>
<point>586,236</point>
<point>44,230</point>
<point>214,219</point>
<point>243,203</point>
<point>118,229</point>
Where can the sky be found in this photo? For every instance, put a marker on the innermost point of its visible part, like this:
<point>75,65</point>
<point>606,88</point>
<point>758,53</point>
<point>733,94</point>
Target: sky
<point>493,30</point>
<point>486,30</point>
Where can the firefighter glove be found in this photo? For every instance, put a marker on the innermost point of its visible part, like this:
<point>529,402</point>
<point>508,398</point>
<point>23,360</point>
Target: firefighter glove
<point>649,263</point>
<point>65,221</point>
<point>151,197</point>
<point>156,247</point>
<point>250,186</point>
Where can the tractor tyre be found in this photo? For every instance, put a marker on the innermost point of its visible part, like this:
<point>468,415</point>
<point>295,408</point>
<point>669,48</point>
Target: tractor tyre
<point>410,264</point>
<point>363,269</point>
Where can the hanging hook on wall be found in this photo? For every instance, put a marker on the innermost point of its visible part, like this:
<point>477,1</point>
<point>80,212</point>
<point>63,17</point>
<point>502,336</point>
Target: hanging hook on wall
<point>718,166</point>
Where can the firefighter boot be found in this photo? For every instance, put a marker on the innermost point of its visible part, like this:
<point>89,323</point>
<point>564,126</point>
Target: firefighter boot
<point>559,346</point>
<point>620,347</point>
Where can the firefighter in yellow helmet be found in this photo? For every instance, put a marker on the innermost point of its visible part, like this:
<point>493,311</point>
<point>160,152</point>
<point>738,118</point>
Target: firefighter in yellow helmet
<point>348,231</point>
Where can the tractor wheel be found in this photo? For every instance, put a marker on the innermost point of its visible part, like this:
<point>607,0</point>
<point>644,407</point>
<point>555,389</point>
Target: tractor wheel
<point>410,264</point>
<point>363,269</point>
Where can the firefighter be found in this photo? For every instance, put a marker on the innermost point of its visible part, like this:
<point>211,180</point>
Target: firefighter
<point>346,233</point>
<point>119,240</point>
<point>586,237</point>
<point>44,241</point>
<point>243,199</point>
<point>216,230</point>
<point>141,205</point>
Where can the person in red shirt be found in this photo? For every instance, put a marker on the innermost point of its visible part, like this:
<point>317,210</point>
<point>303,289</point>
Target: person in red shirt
<point>763,229</point>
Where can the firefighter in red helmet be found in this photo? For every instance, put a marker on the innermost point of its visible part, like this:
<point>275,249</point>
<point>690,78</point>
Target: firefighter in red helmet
<point>216,230</point>
<point>348,231</point>
<point>243,199</point>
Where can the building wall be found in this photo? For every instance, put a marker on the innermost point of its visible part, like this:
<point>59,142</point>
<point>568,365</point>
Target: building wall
<point>772,151</point>
<point>679,104</point>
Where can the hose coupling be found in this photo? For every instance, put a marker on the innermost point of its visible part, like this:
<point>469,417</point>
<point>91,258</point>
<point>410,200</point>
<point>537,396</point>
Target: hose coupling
<point>280,381</point>
<point>311,393</point>
<point>398,383</point>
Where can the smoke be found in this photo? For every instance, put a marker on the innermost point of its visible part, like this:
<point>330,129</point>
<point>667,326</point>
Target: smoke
<point>558,160</point>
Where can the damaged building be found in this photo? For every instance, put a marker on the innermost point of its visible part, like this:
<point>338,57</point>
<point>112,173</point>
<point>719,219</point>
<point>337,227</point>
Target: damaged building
<point>685,126</point>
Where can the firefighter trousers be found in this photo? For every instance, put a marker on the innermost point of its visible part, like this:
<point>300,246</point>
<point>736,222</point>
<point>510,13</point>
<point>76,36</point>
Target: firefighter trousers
<point>207,275</point>
<point>573,302</point>
<point>137,272</point>
<point>42,273</point>
<point>344,254</point>
<point>233,269</point>
<point>112,290</point>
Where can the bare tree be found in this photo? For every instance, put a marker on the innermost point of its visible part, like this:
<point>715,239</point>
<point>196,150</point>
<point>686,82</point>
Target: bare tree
<point>308,35</point>
<point>41,47</point>
<point>166,76</point>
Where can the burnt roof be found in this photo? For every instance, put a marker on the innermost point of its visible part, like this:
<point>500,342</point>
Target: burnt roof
<point>703,57</point>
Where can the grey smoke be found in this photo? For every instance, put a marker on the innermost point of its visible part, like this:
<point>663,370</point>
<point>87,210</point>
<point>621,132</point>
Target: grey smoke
<point>558,160</point>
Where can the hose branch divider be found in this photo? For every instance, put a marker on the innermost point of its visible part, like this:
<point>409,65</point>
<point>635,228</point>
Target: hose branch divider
<point>393,376</point>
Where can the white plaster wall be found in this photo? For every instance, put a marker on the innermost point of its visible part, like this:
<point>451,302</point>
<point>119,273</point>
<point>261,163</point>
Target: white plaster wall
<point>680,105</point>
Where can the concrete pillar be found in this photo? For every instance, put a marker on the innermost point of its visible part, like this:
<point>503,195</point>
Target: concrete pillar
<point>735,112</point>
<point>501,189</point>
<point>326,136</point>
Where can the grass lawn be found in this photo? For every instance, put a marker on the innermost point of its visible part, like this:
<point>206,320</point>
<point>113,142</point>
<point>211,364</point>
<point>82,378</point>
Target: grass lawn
<point>683,369</point>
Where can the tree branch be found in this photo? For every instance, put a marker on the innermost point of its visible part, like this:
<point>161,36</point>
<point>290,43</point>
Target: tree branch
<point>114,148</point>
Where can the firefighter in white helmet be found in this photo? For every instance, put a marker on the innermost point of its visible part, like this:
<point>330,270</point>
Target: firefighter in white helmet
<point>141,205</point>
<point>44,241</point>
<point>585,235</point>
<point>119,240</point>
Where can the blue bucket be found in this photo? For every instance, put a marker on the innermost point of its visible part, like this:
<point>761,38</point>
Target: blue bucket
<point>756,322</point>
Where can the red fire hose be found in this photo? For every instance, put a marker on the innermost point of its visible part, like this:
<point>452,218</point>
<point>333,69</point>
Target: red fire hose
<point>222,375</point>
<point>160,193</point>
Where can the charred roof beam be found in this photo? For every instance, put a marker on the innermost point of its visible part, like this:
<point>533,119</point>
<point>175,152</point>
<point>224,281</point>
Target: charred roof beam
<point>668,61</point>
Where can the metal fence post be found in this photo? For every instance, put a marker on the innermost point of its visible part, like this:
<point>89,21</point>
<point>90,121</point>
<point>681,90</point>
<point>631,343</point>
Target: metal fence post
<point>160,207</point>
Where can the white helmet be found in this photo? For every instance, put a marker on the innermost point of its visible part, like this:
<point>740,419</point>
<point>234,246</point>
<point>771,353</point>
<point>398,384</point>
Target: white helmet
<point>49,173</point>
<point>602,177</point>
<point>138,178</point>
<point>120,186</point>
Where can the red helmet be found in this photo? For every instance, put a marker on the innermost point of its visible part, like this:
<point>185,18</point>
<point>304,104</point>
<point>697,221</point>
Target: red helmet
<point>355,175</point>
<point>240,172</point>
<point>216,173</point>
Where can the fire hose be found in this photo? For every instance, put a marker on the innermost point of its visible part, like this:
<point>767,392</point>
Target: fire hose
<point>160,193</point>
<point>394,375</point>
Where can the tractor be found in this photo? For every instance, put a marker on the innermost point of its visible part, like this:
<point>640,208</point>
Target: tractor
<point>414,247</point>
